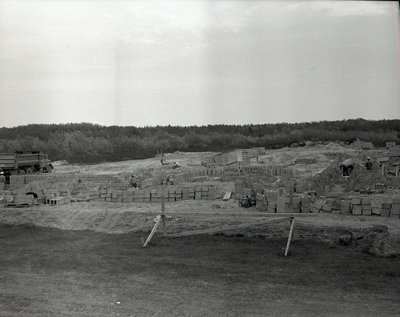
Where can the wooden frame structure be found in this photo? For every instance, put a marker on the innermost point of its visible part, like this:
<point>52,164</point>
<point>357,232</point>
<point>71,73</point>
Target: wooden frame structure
<point>161,219</point>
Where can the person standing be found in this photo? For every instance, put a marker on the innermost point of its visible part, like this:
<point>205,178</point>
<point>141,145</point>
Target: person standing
<point>133,181</point>
<point>368,164</point>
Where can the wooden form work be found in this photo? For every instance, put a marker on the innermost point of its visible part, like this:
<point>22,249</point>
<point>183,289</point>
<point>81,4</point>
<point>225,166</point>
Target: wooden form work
<point>161,219</point>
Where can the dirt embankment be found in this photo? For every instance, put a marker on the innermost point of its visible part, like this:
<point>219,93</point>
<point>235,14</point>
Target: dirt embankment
<point>119,218</point>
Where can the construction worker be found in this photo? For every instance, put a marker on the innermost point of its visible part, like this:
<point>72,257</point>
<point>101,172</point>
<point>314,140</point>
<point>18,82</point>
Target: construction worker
<point>368,164</point>
<point>176,165</point>
<point>132,181</point>
<point>170,180</point>
<point>347,166</point>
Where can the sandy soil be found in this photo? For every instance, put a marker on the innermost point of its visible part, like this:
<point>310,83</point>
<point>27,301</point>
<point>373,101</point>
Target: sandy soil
<point>185,159</point>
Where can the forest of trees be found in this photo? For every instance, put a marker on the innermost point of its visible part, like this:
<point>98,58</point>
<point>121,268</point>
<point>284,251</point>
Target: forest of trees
<point>90,143</point>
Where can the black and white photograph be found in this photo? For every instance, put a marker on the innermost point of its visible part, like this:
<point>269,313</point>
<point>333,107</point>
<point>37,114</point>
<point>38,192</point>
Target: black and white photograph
<point>199,158</point>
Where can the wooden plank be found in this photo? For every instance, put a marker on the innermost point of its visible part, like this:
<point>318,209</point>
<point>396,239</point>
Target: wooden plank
<point>290,237</point>
<point>232,227</point>
<point>229,214</point>
<point>153,231</point>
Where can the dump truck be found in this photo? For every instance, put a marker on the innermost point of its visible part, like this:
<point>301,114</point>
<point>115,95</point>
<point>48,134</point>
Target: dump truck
<point>24,162</point>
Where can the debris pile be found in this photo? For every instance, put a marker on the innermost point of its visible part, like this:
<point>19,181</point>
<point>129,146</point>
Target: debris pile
<point>375,240</point>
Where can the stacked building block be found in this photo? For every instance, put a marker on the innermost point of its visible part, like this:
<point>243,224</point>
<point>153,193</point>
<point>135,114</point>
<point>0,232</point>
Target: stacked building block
<point>386,206</point>
<point>395,210</point>
<point>356,206</point>
<point>261,202</point>
<point>376,207</point>
<point>305,204</point>
<point>295,204</point>
<point>282,205</point>
<point>366,206</point>
<point>24,199</point>
<point>345,206</point>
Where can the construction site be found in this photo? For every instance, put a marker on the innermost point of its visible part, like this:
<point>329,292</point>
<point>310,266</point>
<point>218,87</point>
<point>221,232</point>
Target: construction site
<point>227,229</point>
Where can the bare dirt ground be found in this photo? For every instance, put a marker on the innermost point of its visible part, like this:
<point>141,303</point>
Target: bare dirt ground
<point>120,218</point>
<point>185,159</point>
<point>86,258</point>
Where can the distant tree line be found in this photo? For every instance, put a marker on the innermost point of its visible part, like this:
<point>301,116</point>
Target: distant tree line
<point>91,143</point>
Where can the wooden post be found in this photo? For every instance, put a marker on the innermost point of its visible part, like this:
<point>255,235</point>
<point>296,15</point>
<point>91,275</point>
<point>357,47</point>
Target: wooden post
<point>163,218</point>
<point>383,169</point>
<point>153,231</point>
<point>290,237</point>
<point>397,170</point>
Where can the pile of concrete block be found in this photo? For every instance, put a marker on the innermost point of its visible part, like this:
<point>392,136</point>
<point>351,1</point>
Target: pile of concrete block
<point>358,205</point>
<point>345,206</point>
<point>305,204</point>
<point>119,186</point>
<point>265,170</point>
<point>254,169</point>
<point>305,161</point>
<point>171,193</point>
<point>196,174</point>
<point>17,181</point>
<point>277,170</point>
<point>261,202</point>
<point>395,208</point>
<point>6,196</point>
<point>386,208</point>
<point>2,182</point>
<point>395,181</point>
<point>273,202</point>
<point>364,206</point>
<point>317,205</point>
<point>24,200</point>
<point>282,205</point>
<point>239,185</point>
<point>57,201</point>
<point>204,192</point>
<point>301,186</point>
<point>63,188</point>
<point>271,205</point>
<point>394,153</point>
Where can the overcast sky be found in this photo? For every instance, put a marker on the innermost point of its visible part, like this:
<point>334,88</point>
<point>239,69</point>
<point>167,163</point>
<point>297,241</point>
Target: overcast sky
<point>197,62</point>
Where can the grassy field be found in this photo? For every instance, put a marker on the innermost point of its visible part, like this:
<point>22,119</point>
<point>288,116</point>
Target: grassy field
<point>51,272</point>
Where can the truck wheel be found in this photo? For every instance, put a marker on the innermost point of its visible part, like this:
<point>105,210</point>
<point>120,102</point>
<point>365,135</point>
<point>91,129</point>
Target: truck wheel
<point>29,170</point>
<point>20,172</point>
